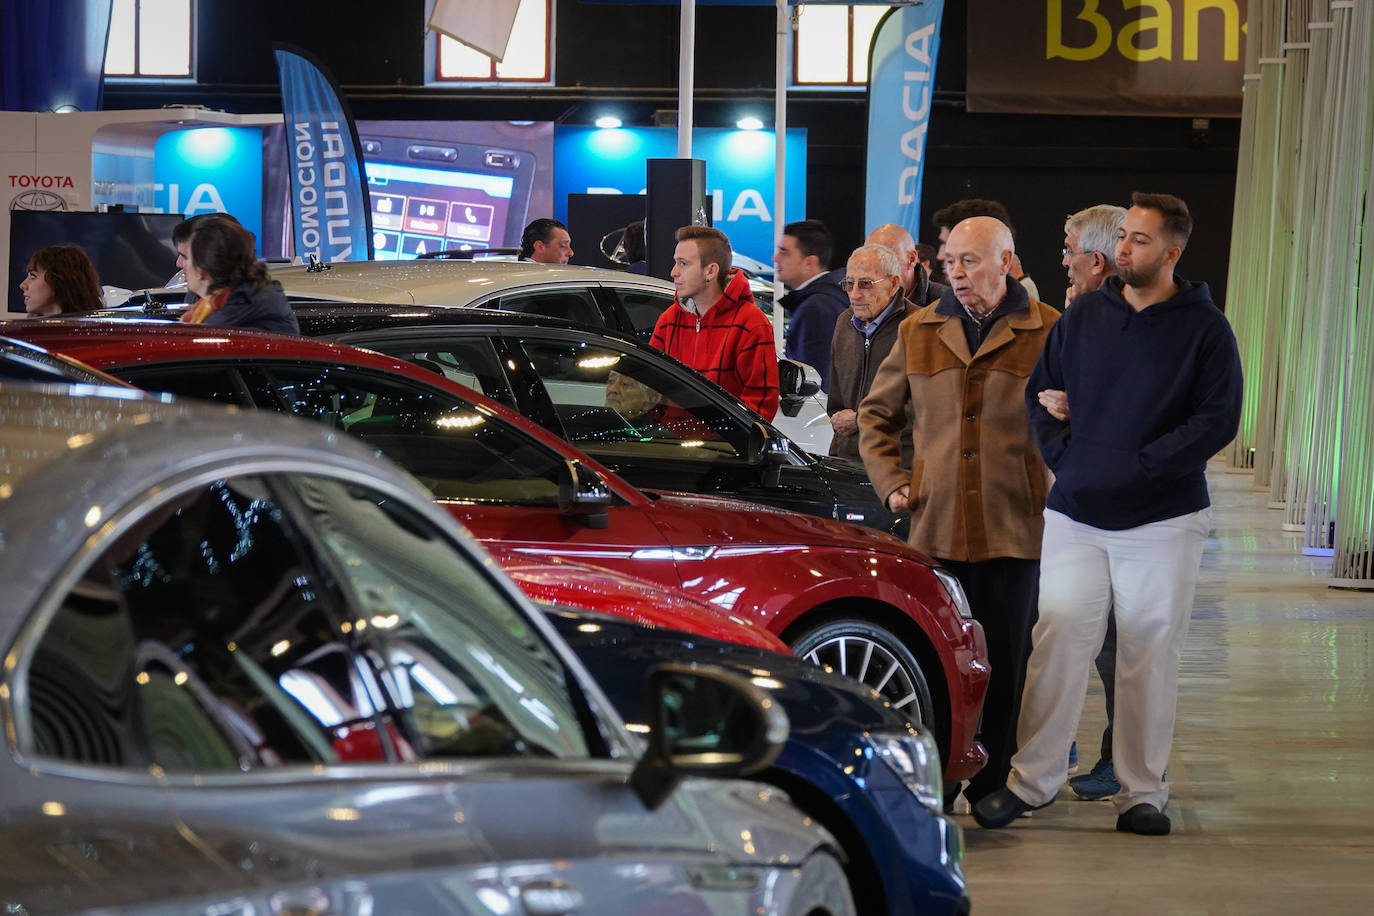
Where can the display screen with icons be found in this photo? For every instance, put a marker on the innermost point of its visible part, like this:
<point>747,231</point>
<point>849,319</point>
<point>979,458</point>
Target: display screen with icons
<point>419,210</point>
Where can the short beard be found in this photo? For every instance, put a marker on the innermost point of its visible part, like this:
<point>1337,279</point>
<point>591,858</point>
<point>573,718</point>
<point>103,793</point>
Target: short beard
<point>1143,278</point>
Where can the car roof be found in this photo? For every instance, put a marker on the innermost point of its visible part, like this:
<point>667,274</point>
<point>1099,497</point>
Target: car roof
<point>317,318</point>
<point>440,282</point>
<point>126,343</point>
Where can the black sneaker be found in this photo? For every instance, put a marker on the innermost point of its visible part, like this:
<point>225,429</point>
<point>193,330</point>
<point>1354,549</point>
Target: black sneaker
<point>1145,820</point>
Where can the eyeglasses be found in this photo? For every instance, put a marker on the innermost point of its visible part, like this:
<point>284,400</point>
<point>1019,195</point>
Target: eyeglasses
<point>864,283</point>
<point>1070,253</point>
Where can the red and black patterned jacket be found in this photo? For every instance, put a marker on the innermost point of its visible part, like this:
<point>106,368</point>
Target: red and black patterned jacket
<point>732,345</point>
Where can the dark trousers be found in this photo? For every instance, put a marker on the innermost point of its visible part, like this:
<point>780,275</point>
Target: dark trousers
<point>1003,593</point>
<point>1106,669</point>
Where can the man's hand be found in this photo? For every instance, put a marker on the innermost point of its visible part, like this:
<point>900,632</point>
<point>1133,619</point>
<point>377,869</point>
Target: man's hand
<point>845,422</point>
<point>1056,403</point>
<point>899,499</point>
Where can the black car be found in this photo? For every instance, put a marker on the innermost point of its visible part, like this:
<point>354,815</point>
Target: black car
<point>648,417</point>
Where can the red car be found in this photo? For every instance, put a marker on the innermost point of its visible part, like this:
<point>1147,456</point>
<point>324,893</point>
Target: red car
<point>855,599</point>
<point>553,580</point>
<point>549,580</point>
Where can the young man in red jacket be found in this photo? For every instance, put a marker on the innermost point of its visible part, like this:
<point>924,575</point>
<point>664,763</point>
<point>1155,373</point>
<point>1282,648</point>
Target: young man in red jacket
<point>713,324</point>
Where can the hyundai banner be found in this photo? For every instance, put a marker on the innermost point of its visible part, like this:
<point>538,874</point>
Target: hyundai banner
<point>329,202</point>
<point>901,77</point>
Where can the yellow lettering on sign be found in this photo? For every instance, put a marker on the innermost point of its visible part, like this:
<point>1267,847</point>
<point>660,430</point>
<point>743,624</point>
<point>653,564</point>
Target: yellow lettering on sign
<point>1192,12</point>
<point>1161,23</point>
<point>1054,32</point>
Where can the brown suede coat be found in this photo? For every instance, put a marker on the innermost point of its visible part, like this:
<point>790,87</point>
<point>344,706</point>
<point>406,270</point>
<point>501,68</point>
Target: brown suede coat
<point>978,484</point>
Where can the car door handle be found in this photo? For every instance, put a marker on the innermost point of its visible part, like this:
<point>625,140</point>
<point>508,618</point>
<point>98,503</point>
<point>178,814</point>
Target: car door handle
<point>550,898</point>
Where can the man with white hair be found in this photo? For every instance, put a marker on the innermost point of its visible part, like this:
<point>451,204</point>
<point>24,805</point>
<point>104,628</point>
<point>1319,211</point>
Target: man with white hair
<point>865,332</point>
<point>1090,247</point>
<point>976,488</point>
<point>1089,254</point>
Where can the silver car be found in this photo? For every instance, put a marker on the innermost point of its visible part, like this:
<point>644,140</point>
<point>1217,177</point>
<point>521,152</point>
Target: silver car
<point>250,669</point>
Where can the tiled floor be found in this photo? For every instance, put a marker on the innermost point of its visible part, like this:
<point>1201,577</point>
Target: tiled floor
<point>1272,773</point>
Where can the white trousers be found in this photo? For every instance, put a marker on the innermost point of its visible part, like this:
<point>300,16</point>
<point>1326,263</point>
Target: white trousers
<point>1148,576</point>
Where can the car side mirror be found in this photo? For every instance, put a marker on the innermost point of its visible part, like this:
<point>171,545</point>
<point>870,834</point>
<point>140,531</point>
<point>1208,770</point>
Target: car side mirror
<point>704,721</point>
<point>767,448</point>
<point>582,494</point>
<point>796,382</point>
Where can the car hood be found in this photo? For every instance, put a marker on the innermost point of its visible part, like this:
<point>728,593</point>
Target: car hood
<point>552,580</point>
<point>619,655</point>
<point>716,521</point>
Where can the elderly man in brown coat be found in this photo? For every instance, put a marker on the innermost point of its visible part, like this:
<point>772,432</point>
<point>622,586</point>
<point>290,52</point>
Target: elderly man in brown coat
<point>976,489</point>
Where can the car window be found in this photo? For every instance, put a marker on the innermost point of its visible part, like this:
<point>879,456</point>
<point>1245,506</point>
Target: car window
<point>459,452</point>
<point>202,639</point>
<point>468,674</point>
<point>206,383</point>
<point>572,304</point>
<point>644,306</point>
<point>470,362</point>
<point>614,401</point>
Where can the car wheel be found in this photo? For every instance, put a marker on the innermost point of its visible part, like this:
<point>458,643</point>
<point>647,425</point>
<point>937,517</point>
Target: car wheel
<point>872,654</point>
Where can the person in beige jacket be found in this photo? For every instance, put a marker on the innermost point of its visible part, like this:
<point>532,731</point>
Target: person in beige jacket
<point>976,489</point>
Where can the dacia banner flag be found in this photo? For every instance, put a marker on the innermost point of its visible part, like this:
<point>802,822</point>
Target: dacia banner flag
<point>901,77</point>
<point>329,202</point>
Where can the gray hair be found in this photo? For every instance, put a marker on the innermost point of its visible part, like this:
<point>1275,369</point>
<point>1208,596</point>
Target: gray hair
<point>886,258</point>
<point>1096,228</point>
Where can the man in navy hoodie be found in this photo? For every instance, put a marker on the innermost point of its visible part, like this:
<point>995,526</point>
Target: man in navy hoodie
<point>816,301</point>
<point>1138,386</point>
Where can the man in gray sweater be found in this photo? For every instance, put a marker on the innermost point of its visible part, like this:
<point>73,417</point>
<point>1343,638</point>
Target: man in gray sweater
<point>865,332</point>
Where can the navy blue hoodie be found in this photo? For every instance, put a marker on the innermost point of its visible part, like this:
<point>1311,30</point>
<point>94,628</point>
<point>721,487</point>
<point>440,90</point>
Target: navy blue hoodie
<point>1152,396</point>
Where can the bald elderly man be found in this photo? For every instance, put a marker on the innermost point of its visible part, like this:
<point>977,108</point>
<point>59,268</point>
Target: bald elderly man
<point>917,286</point>
<point>976,488</point>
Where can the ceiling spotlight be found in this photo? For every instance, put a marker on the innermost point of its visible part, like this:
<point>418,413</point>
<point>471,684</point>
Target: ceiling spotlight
<point>749,123</point>
<point>607,122</point>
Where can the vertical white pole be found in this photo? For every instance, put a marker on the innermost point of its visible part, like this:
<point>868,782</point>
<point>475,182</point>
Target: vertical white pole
<point>784,48</point>
<point>686,66</point>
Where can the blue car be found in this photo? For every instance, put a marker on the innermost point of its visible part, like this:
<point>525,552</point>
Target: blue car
<point>851,761</point>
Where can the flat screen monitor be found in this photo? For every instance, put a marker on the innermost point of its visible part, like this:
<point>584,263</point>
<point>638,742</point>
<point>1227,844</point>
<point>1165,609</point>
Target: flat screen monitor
<point>130,250</point>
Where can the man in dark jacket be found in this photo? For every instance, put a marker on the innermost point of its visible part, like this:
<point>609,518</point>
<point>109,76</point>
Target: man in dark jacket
<point>917,286</point>
<point>1152,372</point>
<point>816,300</point>
<point>864,333</point>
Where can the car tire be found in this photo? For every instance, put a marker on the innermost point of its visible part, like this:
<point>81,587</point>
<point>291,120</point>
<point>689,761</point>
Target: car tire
<point>821,889</point>
<point>875,656</point>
